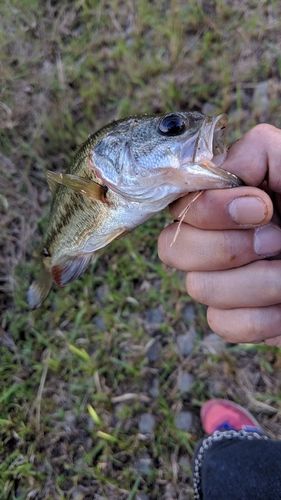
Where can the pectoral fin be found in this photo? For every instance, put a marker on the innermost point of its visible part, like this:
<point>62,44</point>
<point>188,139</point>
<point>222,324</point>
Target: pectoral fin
<point>70,268</point>
<point>95,242</point>
<point>79,184</point>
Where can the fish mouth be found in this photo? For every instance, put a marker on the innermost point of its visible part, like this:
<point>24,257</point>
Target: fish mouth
<point>211,145</point>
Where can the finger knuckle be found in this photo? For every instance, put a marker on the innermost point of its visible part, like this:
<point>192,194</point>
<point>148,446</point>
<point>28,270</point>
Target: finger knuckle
<point>264,131</point>
<point>163,247</point>
<point>196,287</point>
<point>201,286</point>
<point>222,250</point>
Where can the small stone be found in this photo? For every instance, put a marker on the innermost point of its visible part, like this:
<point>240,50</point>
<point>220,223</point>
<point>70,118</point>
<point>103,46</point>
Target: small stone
<point>192,333</point>
<point>184,421</point>
<point>144,464</point>
<point>184,467</point>
<point>185,462</point>
<point>185,344</point>
<point>170,492</point>
<point>77,494</point>
<point>100,323</point>
<point>217,388</point>
<point>146,423</point>
<point>208,109</point>
<point>102,292</point>
<point>47,68</point>
<point>27,89</point>
<point>154,389</point>
<point>154,316</point>
<point>69,421</point>
<point>188,313</point>
<point>141,496</point>
<point>153,352</point>
<point>185,382</point>
<point>213,344</point>
<point>238,115</point>
<point>261,102</point>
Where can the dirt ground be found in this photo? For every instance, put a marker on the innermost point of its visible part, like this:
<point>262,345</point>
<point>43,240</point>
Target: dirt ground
<point>101,387</point>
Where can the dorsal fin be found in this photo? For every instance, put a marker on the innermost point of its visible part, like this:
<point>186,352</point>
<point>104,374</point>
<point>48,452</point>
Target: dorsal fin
<point>79,184</point>
<point>51,182</point>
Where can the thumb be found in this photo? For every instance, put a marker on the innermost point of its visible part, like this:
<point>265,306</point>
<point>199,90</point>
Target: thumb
<point>257,156</point>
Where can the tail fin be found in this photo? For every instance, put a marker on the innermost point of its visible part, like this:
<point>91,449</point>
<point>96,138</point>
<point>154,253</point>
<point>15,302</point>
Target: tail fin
<point>39,289</point>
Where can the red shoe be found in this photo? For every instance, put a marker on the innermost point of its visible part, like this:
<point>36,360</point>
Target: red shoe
<point>222,415</point>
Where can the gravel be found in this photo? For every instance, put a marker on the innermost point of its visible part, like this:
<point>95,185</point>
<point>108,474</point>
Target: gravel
<point>100,323</point>
<point>153,352</point>
<point>154,316</point>
<point>261,101</point>
<point>184,421</point>
<point>185,381</point>
<point>213,344</point>
<point>142,496</point>
<point>144,464</point>
<point>185,344</point>
<point>102,293</point>
<point>188,313</point>
<point>154,389</point>
<point>146,423</point>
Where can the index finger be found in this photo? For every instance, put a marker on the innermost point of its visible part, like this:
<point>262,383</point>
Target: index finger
<point>242,207</point>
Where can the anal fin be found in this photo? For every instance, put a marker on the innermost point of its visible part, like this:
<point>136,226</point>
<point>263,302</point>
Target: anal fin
<point>71,268</point>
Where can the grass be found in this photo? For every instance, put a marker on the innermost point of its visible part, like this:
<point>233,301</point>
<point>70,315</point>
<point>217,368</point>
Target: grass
<point>75,374</point>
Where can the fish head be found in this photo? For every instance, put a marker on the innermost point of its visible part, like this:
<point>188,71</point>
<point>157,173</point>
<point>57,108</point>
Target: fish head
<point>160,158</point>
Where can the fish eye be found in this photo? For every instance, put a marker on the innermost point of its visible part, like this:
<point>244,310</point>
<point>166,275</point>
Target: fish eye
<point>172,124</point>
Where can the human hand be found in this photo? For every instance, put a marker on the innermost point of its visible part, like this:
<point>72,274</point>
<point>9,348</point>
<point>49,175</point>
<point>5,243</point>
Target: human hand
<point>230,243</point>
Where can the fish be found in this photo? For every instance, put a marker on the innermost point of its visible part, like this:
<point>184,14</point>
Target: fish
<point>121,176</point>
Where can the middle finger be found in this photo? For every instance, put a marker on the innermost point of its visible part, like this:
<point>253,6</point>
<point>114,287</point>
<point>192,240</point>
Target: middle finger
<point>199,250</point>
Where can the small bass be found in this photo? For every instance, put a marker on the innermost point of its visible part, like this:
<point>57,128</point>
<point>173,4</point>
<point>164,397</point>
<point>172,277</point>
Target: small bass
<point>120,177</point>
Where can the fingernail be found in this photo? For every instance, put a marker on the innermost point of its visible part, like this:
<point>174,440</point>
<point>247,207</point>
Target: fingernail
<point>267,240</point>
<point>247,210</point>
